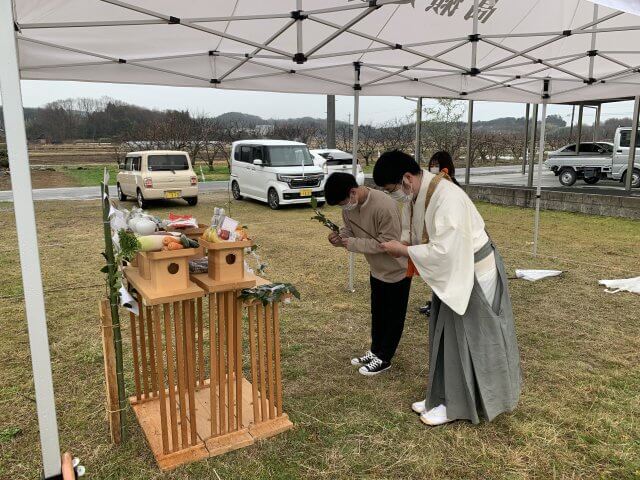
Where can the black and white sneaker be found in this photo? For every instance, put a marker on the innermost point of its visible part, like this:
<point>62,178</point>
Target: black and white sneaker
<point>374,367</point>
<point>363,360</point>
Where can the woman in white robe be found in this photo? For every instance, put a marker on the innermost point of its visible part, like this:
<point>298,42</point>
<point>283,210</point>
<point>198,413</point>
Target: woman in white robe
<point>474,366</point>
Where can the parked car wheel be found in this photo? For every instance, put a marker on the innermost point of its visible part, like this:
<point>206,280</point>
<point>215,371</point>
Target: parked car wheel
<point>635,178</point>
<point>142,203</point>
<point>591,180</point>
<point>568,177</point>
<point>192,201</point>
<point>273,199</point>
<point>121,196</point>
<point>235,190</point>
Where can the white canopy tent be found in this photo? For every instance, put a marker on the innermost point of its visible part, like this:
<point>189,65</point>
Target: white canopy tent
<point>544,51</point>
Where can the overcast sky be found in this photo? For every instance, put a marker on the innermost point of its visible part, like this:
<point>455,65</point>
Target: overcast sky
<point>271,105</point>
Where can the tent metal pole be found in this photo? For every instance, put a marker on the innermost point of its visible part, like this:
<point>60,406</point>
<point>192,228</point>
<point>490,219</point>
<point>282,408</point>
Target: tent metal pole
<point>467,172</point>
<point>632,144</point>
<point>580,113</point>
<point>596,125</point>
<point>331,121</point>
<point>539,181</point>
<point>526,138</point>
<point>354,163</point>
<point>28,242</point>
<point>418,150</point>
<point>573,114</point>
<point>532,153</point>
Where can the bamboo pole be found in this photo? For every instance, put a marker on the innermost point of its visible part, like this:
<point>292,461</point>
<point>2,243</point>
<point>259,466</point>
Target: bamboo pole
<point>113,301</point>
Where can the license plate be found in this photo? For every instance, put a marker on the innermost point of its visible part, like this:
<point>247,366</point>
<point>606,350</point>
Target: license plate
<point>172,194</point>
<point>305,192</point>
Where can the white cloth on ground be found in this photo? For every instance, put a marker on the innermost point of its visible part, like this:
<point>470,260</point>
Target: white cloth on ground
<point>533,275</point>
<point>622,285</point>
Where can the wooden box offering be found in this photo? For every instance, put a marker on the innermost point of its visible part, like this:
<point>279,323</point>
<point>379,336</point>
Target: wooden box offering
<point>226,266</point>
<point>162,275</point>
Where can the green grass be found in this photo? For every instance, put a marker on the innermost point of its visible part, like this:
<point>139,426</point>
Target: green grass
<point>580,351</point>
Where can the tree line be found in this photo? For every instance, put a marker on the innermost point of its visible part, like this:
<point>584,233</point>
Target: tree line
<point>208,138</point>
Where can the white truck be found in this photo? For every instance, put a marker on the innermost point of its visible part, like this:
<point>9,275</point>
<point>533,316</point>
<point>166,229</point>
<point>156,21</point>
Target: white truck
<point>596,161</point>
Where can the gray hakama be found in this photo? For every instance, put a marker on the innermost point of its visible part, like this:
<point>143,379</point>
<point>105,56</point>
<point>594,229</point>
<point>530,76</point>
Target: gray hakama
<point>474,367</point>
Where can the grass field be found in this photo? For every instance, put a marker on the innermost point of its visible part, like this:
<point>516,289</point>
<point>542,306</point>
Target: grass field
<point>580,350</point>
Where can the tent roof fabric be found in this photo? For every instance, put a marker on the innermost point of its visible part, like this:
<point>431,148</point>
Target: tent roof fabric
<point>498,50</point>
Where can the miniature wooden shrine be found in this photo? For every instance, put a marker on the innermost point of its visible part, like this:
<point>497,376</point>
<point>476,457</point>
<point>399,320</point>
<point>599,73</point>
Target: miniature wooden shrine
<point>191,398</point>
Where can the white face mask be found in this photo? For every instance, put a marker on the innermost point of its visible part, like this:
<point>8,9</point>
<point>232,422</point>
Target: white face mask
<point>349,205</point>
<point>399,195</point>
<point>434,170</point>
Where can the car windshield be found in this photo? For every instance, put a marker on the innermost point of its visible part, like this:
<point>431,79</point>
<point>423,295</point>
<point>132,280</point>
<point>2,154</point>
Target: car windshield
<point>159,163</point>
<point>289,156</point>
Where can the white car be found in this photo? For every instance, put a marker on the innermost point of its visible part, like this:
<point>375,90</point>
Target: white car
<point>155,175</point>
<point>278,172</point>
<point>332,160</point>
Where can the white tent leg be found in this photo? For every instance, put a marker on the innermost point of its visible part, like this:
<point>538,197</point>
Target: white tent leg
<point>539,187</point>
<point>27,242</point>
<point>354,169</point>
<point>632,144</point>
<point>467,172</point>
<point>418,151</point>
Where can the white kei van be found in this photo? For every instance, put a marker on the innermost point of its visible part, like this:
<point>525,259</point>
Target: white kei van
<point>278,172</point>
<point>155,175</point>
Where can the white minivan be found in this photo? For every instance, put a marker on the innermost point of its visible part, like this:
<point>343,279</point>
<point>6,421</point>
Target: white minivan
<point>278,172</point>
<point>155,175</point>
<point>332,160</point>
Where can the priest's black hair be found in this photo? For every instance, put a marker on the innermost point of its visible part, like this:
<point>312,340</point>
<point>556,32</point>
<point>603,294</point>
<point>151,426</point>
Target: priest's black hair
<point>442,159</point>
<point>338,186</point>
<point>391,167</point>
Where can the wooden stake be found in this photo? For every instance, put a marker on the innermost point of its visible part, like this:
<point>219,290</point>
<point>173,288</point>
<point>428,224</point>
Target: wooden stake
<point>263,388</point>
<point>200,321</point>
<point>160,380</point>
<point>254,368</point>
<point>143,353</point>
<point>191,383</point>
<point>177,317</point>
<point>152,355</point>
<point>213,354</point>
<point>111,381</point>
<point>276,337</point>
<point>239,376</point>
<point>230,357</point>
<point>221,362</point>
<point>270,376</point>
<point>170,378</point>
<point>134,349</point>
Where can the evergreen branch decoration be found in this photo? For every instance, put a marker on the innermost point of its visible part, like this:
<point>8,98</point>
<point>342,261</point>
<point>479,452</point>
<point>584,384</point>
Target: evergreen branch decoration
<point>322,218</point>
<point>269,293</point>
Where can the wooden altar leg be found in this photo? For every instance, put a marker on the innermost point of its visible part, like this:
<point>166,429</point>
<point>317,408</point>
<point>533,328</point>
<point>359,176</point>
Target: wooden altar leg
<point>239,376</point>
<point>230,358</point>
<point>263,388</point>
<point>160,379</point>
<point>221,361</point>
<point>136,360</point>
<point>213,354</point>
<point>190,360</point>
<point>270,376</point>
<point>143,353</point>
<point>200,322</point>
<point>152,354</point>
<point>170,378</point>
<point>177,317</point>
<point>254,368</point>
<point>276,338</point>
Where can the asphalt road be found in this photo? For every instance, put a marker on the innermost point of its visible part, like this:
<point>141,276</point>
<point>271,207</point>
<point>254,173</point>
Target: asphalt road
<point>92,193</point>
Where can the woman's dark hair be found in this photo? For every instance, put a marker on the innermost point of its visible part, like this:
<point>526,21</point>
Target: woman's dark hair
<point>443,160</point>
<point>338,186</point>
<point>391,167</point>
